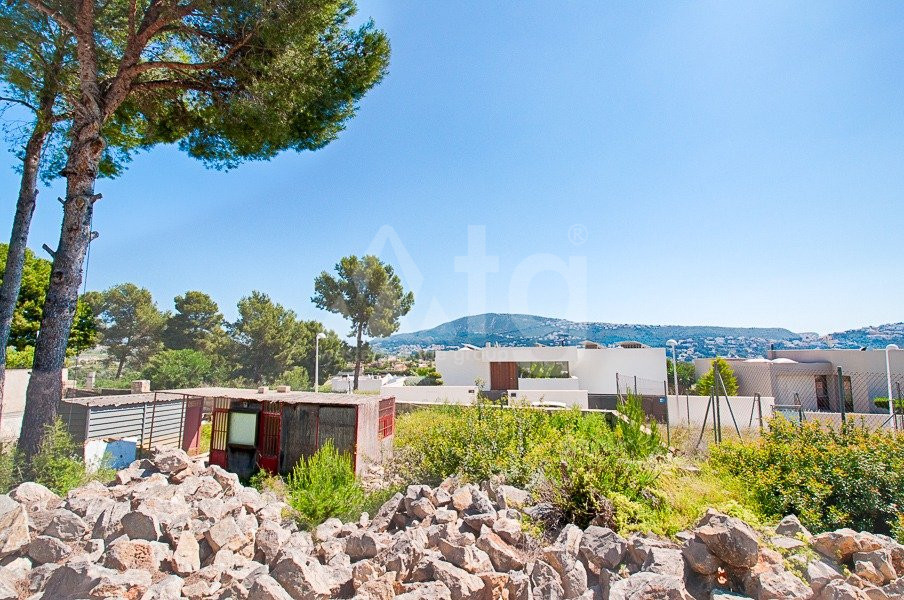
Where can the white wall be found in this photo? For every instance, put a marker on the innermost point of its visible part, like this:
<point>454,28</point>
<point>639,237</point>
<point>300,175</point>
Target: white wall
<point>595,368</point>
<point>343,383</point>
<point>438,394</point>
<point>549,383</point>
<point>462,367</point>
<point>14,389</point>
<point>741,405</point>
<point>568,397</point>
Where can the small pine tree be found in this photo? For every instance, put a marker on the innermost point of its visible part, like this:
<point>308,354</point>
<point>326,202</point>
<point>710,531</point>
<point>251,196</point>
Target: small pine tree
<point>707,383</point>
<point>323,486</point>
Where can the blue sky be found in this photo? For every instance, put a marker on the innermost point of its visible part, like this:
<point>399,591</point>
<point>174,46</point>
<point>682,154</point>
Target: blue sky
<point>733,163</point>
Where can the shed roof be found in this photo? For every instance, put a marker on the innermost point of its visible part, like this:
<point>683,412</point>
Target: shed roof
<point>274,396</point>
<point>125,399</point>
<point>224,392</point>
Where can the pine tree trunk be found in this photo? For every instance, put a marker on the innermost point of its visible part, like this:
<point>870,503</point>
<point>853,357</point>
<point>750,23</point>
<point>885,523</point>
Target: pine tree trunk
<point>15,257</point>
<point>45,386</point>
<point>358,357</point>
<point>122,362</point>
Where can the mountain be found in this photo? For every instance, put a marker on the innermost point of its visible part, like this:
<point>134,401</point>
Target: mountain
<point>694,341</point>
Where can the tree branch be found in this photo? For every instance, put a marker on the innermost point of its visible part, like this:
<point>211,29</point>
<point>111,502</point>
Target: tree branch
<point>17,101</point>
<point>56,16</point>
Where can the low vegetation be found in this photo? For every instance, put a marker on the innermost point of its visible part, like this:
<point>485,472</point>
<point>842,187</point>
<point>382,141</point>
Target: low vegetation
<point>585,467</point>
<point>829,478</point>
<point>59,465</point>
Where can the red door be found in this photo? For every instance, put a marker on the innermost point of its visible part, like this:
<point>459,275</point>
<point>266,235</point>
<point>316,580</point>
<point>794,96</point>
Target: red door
<point>218,432</point>
<point>191,425</point>
<point>503,376</point>
<point>268,437</point>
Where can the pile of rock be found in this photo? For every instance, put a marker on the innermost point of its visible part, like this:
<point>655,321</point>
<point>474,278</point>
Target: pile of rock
<point>171,528</point>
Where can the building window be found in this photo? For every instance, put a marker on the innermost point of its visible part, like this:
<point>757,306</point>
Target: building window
<point>822,393</point>
<point>386,420</point>
<point>543,370</point>
<point>848,394</point>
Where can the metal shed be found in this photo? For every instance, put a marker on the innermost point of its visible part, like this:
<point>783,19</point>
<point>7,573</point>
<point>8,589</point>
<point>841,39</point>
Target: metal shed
<point>153,419</point>
<point>273,430</point>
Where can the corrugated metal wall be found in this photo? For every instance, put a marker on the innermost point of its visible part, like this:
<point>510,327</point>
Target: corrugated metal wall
<point>73,415</point>
<point>152,424</point>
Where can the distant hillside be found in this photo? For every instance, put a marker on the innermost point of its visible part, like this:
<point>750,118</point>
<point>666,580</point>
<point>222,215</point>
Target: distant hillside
<point>694,341</point>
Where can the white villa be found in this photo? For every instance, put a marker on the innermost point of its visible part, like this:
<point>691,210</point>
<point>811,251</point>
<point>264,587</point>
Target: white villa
<point>571,375</point>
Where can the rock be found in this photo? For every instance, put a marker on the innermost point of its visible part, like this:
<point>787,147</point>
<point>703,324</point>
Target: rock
<point>509,530</point>
<point>731,540</point>
<point>140,524</point>
<point>881,563</point>
<point>225,534</point>
<point>819,573</point>
<point>267,588</point>
<point>791,526</point>
<point>649,586</point>
<point>843,543</point>
<point>327,529</point>
<point>186,555</point>
<point>387,512</point>
<point>602,547</point>
<point>465,555</point>
<point>34,496</point>
<point>432,590</point>
<point>504,557</point>
<point>445,515</point>
<point>366,544</point>
<point>545,583</point>
<point>109,522</point>
<point>47,549</point>
<point>76,580</point>
<point>171,461</point>
<point>562,556</point>
<point>666,561</point>
<point>699,558</point>
<point>66,525</point>
<point>422,508</point>
<point>841,590</point>
<point>461,584</point>
<point>405,553</point>
<point>303,578</point>
<point>787,544</point>
<point>268,541</point>
<point>772,585</point>
<point>518,586</point>
<point>511,497</point>
<point>168,588</point>
<point>131,554</point>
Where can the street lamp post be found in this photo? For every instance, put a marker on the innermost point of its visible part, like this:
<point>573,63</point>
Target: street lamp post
<point>673,344</point>
<point>317,339</point>
<point>891,400</point>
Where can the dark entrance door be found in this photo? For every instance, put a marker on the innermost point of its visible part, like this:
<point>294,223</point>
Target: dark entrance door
<point>503,376</point>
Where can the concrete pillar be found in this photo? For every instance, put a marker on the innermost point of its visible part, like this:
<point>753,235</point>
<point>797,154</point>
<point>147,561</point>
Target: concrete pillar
<point>90,380</point>
<point>141,385</point>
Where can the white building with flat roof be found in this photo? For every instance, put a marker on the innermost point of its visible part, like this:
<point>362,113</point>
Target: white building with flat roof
<point>534,370</point>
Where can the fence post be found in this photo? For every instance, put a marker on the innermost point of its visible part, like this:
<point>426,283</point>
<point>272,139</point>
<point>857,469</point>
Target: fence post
<point>617,387</point>
<point>668,432</point>
<point>841,398</point>
<point>759,408</point>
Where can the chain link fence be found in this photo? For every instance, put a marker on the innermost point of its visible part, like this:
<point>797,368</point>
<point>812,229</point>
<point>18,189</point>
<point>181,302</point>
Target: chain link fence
<point>820,392</point>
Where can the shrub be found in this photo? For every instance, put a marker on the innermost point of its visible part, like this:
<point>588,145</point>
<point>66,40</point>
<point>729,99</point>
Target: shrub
<point>829,478</point>
<point>883,404</point>
<point>58,463</point>
<point>323,486</point>
<point>705,384</point>
<point>297,378</point>
<point>173,369</point>
<point>22,359</point>
<point>579,463</point>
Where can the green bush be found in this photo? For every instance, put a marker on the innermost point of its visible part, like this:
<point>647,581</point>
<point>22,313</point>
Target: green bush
<point>883,404</point>
<point>174,369</point>
<point>829,478</point>
<point>297,378</point>
<point>324,486</point>
<point>705,384</point>
<point>58,464</point>
<point>581,464</point>
<point>21,359</point>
